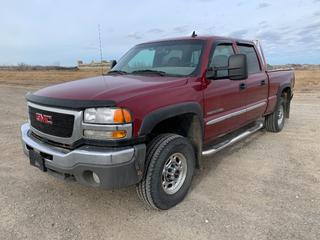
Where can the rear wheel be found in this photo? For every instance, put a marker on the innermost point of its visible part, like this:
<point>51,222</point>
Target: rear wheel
<point>169,174</point>
<point>275,121</point>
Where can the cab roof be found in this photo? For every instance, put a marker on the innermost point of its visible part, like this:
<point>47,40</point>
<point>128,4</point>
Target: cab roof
<point>201,37</point>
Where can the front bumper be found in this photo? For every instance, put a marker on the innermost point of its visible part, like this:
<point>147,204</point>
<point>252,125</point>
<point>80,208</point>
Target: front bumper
<point>115,167</point>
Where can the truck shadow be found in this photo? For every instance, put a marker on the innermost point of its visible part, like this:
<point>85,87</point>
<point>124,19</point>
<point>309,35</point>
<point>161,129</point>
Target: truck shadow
<point>209,164</point>
<point>70,195</point>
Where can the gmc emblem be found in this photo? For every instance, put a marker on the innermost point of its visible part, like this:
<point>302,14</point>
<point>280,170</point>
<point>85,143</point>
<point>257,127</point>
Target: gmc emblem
<point>46,119</point>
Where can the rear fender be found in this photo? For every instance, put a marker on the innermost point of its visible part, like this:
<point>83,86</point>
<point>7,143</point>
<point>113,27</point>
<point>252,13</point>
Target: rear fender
<point>287,99</point>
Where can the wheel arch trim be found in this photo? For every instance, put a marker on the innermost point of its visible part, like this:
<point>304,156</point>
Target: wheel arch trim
<point>152,119</point>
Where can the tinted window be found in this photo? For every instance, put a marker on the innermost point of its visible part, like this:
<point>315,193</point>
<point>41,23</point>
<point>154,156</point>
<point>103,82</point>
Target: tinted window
<point>252,59</point>
<point>220,58</point>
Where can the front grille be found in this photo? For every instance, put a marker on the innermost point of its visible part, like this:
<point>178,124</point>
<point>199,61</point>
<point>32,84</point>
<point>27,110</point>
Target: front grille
<point>61,126</point>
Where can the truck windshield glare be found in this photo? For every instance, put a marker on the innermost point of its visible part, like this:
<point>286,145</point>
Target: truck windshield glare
<point>174,58</point>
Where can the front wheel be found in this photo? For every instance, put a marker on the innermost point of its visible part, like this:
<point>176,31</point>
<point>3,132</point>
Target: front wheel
<point>275,121</point>
<point>169,174</point>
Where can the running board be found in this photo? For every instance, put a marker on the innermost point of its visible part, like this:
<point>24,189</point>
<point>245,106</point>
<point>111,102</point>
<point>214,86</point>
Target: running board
<point>220,146</point>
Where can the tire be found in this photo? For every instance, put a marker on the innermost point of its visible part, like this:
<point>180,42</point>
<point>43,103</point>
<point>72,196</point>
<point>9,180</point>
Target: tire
<point>166,183</point>
<point>275,121</point>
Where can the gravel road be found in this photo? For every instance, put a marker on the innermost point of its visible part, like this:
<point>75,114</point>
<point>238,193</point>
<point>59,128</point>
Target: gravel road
<point>265,187</point>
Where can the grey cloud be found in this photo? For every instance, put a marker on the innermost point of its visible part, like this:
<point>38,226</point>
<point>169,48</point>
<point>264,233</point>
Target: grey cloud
<point>134,35</point>
<point>156,30</point>
<point>312,27</point>
<point>287,29</point>
<point>20,42</point>
<point>297,36</point>
<point>209,29</point>
<point>310,34</point>
<point>90,48</point>
<point>303,31</point>
<point>263,5</point>
<point>316,14</point>
<point>240,3</point>
<point>307,39</point>
<point>263,24</point>
<point>269,36</point>
<point>239,33</point>
<point>181,29</point>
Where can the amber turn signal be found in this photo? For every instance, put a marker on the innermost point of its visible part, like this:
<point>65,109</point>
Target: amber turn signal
<point>122,116</point>
<point>119,134</point>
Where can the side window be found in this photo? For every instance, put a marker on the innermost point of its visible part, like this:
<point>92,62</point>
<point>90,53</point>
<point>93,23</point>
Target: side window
<point>252,59</point>
<point>220,58</point>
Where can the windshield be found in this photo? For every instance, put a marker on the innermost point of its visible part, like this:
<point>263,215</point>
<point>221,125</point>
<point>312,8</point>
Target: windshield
<point>171,58</point>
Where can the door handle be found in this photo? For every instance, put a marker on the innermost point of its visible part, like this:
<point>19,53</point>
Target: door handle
<point>263,82</point>
<point>242,86</point>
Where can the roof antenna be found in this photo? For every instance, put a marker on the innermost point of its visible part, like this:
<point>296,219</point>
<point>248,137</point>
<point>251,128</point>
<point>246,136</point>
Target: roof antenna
<point>194,34</point>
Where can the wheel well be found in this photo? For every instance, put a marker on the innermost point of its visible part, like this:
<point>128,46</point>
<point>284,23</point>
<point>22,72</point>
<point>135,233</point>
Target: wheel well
<point>286,94</point>
<point>188,125</point>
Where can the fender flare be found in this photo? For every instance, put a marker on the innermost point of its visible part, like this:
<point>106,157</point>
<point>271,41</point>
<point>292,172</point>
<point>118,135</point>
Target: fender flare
<point>281,88</point>
<point>288,103</point>
<point>157,116</point>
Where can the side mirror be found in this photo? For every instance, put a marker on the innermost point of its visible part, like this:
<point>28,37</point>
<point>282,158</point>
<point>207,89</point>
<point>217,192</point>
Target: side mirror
<point>237,67</point>
<point>113,63</point>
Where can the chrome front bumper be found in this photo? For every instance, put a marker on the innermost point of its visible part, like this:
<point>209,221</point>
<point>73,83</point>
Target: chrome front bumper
<point>115,167</point>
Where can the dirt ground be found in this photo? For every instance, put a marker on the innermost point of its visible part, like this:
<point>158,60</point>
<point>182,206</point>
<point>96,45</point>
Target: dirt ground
<point>265,187</point>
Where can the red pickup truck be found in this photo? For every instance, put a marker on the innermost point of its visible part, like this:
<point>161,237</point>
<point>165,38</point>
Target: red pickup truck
<point>149,121</point>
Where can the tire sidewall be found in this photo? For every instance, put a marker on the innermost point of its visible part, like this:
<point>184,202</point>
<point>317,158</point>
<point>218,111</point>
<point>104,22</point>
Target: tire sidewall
<point>161,199</point>
<point>280,103</point>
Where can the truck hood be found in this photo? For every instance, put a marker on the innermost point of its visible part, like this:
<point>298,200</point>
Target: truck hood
<point>114,88</point>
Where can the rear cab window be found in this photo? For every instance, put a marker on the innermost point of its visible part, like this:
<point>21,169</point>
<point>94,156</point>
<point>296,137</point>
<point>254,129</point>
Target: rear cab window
<point>252,58</point>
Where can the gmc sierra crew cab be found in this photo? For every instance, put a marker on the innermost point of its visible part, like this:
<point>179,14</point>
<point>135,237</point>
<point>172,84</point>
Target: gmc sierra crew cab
<point>153,117</point>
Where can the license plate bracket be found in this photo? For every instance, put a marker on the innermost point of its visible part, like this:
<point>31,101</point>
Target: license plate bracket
<point>37,160</point>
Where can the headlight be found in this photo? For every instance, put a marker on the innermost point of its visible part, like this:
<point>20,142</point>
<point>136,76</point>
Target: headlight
<point>107,123</point>
<point>107,116</point>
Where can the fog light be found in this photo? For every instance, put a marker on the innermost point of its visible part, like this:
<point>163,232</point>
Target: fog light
<point>95,178</point>
<point>104,135</point>
<point>119,134</point>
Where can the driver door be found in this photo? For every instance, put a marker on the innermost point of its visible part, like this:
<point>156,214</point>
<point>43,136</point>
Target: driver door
<point>224,100</point>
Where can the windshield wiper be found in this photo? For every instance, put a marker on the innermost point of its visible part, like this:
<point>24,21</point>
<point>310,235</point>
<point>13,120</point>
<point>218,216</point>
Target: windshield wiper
<point>117,72</point>
<point>160,73</point>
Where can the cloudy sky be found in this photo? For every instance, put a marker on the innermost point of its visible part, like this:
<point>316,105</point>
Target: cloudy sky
<point>63,31</point>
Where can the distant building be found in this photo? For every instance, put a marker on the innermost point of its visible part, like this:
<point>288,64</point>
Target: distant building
<point>93,65</point>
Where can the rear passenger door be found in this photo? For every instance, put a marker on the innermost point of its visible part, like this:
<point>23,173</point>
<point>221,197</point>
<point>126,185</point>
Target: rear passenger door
<point>256,84</point>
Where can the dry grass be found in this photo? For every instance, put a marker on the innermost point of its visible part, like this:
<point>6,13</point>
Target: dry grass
<point>45,77</point>
<point>306,80</point>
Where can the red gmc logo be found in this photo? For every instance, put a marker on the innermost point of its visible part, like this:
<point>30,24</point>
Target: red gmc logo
<point>46,119</point>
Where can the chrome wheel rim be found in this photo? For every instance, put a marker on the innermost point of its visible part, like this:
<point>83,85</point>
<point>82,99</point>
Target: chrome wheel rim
<point>174,173</point>
<point>280,115</point>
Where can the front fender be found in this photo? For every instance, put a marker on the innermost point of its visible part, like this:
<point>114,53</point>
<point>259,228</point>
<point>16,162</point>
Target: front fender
<point>157,116</point>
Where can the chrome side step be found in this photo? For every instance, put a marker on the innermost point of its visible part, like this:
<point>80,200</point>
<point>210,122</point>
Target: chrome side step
<point>220,146</point>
